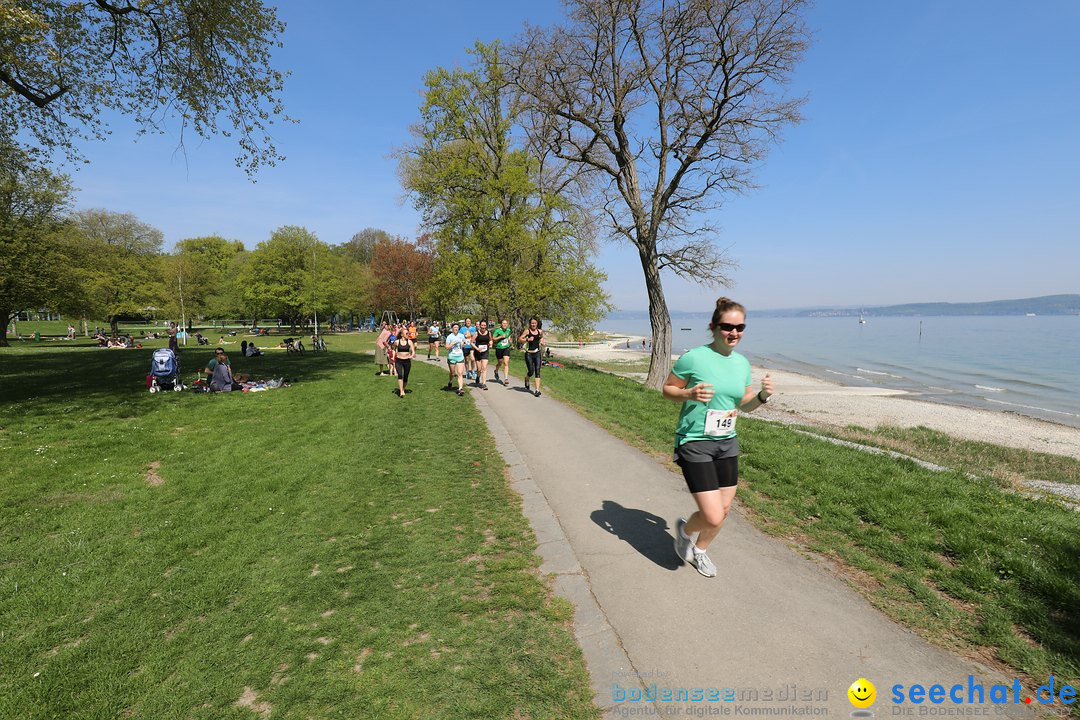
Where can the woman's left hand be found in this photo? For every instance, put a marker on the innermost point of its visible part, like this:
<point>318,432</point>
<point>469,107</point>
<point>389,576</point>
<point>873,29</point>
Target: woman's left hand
<point>766,386</point>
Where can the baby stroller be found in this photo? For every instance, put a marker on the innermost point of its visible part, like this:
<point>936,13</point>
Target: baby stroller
<point>165,371</point>
<point>203,340</point>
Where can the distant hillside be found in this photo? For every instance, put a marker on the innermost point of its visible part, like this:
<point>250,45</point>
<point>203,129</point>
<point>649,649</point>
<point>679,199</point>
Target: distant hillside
<point>1047,305</point>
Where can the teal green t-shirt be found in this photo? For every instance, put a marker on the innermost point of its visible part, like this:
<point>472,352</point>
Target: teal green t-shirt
<point>502,338</point>
<point>729,375</point>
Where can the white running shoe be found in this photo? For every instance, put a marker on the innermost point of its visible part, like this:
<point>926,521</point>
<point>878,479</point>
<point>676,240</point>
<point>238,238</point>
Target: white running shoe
<point>683,546</point>
<point>703,564</point>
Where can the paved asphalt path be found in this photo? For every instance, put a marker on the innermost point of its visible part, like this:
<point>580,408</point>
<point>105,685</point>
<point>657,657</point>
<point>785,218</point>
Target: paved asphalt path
<point>773,621</point>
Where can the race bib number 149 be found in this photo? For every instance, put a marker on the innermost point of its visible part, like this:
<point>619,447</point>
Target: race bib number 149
<point>720,423</point>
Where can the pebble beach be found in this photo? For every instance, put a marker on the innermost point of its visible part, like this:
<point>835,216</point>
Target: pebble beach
<point>812,401</point>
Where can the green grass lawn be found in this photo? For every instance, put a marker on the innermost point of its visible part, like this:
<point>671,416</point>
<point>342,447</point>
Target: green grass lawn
<point>965,562</point>
<point>322,550</point>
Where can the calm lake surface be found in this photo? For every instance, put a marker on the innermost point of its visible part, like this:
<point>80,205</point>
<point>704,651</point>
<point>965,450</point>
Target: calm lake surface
<point>1027,365</point>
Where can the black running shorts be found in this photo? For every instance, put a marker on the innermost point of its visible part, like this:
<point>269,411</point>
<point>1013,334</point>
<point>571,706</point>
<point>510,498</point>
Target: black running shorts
<point>709,464</point>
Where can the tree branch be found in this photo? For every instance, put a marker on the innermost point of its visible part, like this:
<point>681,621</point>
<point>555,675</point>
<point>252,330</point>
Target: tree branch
<point>38,97</point>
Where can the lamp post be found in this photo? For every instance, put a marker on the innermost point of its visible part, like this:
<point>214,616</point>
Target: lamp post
<point>180,286</point>
<point>314,296</point>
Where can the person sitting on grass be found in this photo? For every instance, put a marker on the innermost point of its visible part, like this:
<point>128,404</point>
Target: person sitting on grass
<point>221,378</point>
<point>220,358</point>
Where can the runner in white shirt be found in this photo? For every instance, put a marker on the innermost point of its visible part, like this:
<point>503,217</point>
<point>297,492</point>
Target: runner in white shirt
<point>433,336</point>
<point>455,358</point>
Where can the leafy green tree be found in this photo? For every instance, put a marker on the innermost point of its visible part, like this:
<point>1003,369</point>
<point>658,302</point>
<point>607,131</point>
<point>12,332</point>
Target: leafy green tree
<point>205,63</point>
<point>292,275</point>
<point>34,269</point>
<point>509,236</point>
<point>120,265</point>
<point>123,231</point>
<point>664,107</point>
<point>357,288</point>
<point>195,274</point>
<point>230,302</point>
<point>361,246</point>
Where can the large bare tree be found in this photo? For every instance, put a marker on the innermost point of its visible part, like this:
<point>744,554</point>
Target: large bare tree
<point>667,104</point>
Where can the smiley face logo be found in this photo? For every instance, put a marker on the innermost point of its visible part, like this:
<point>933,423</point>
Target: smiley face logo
<point>862,693</point>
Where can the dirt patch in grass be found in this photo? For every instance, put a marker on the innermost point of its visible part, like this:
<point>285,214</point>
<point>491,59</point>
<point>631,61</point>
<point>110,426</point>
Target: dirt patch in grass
<point>857,577</point>
<point>421,638</point>
<point>250,701</point>
<point>1024,637</point>
<point>152,477</point>
<point>279,677</point>
<point>364,655</point>
<point>66,646</point>
<point>475,558</point>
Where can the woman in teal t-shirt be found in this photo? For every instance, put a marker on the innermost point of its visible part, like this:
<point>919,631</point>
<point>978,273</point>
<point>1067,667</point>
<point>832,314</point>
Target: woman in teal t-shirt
<point>713,384</point>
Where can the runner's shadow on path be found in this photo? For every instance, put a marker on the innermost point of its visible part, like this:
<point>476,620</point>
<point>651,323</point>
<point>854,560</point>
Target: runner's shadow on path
<point>645,532</point>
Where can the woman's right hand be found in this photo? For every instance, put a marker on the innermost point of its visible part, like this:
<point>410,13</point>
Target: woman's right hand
<point>701,393</point>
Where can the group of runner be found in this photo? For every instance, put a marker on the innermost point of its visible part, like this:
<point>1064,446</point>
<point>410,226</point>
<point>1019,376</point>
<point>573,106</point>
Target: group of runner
<point>468,352</point>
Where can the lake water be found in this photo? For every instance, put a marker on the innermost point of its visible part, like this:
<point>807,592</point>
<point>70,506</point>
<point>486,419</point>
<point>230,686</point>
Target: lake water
<point>1027,365</point>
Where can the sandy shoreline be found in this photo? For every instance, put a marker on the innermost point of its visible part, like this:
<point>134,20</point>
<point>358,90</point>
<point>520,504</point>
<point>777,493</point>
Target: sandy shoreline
<point>811,401</point>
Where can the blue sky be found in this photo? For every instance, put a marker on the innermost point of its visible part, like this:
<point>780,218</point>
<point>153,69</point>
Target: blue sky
<point>938,159</point>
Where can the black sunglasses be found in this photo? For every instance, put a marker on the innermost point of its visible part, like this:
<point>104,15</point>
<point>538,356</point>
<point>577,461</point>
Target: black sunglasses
<point>728,327</point>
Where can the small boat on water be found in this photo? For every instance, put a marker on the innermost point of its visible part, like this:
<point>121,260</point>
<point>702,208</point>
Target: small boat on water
<point>862,320</point>
<point>1031,315</point>
<point>685,329</point>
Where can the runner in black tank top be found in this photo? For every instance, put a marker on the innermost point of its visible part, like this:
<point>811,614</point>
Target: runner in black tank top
<point>533,338</point>
<point>404,349</point>
<point>481,348</point>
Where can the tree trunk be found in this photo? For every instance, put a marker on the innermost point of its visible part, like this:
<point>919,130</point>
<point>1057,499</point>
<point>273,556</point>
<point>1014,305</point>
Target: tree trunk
<point>114,324</point>
<point>659,321</point>
<point>7,315</point>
